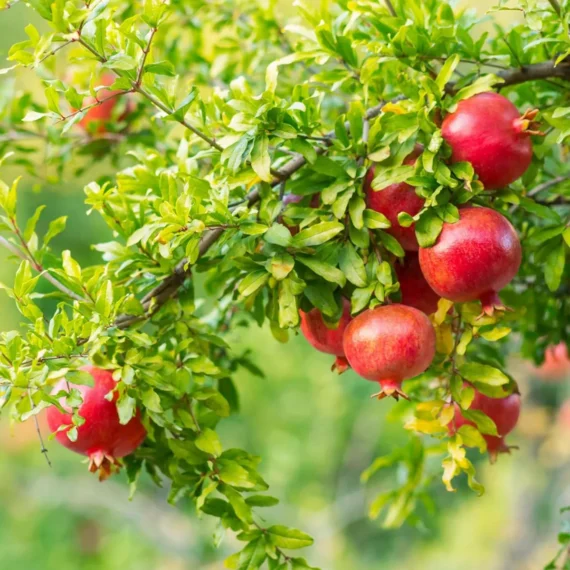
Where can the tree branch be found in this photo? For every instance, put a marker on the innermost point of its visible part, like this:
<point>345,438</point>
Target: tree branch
<point>534,71</point>
<point>153,300</point>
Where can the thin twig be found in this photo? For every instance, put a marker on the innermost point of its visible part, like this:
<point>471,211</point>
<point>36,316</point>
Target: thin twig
<point>39,431</point>
<point>43,272</point>
<point>146,51</point>
<point>390,7</point>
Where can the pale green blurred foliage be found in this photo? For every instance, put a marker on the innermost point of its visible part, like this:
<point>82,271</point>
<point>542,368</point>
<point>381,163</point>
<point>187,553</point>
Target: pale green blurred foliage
<point>316,432</point>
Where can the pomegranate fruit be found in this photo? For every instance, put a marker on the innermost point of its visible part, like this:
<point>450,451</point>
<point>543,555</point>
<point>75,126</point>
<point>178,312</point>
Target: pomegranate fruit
<point>394,199</point>
<point>556,363</point>
<point>488,131</point>
<point>503,411</point>
<point>473,258</point>
<point>102,437</point>
<point>96,119</point>
<point>325,339</point>
<point>413,286</point>
<point>390,344</point>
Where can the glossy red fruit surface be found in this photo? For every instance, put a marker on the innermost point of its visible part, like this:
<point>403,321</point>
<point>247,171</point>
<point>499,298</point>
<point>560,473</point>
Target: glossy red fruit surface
<point>97,118</point>
<point>102,437</point>
<point>394,199</point>
<point>326,339</point>
<point>389,344</point>
<point>473,258</point>
<point>414,288</point>
<point>504,412</point>
<point>488,131</point>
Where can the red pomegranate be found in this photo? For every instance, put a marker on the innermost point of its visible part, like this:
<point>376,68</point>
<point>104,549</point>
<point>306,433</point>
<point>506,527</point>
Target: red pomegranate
<point>389,344</point>
<point>413,286</point>
<point>394,199</point>
<point>102,114</point>
<point>326,339</point>
<point>473,258</point>
<point>556,365</point>
<point>488,131</point>
<point>102,437</point>
<point>503,411</point>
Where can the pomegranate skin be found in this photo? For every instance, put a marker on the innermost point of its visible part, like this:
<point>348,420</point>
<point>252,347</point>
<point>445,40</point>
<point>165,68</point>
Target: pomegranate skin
<point>394,199</point>
<point>102,437</point>
<point>556,365</point>
<point>414,288</point>
<point>473,258</point>
<point>389,344</point>
<point>487,130</point>
<point>504,412</point>
<point>325,339</point>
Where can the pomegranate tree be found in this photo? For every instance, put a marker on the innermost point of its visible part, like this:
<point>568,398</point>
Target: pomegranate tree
<point>503,411</point>
<point>414,288</point>
<point>390,344</point>
<point>102,437</point>
<point>488,131</point>
<point>325,338</point>
<point>392,200</point>
<point>473,258</point>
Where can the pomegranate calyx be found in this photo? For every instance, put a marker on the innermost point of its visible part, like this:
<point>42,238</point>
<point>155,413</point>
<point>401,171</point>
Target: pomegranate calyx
<point>390,389</point>
<point>104,464</point>
<point>340,365</point>
<point>527,125</point>
<point>501,448</point>
<point>490,303</point>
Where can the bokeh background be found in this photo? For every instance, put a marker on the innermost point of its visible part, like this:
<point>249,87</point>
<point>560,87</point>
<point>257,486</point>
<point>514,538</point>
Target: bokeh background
<point>316,432</point>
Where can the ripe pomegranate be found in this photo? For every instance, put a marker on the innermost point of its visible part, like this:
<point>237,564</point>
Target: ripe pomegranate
<point>556,365</point>
<point>389,344</point>
<point>503,411</point>
<point>473,258</point>
<point>488,131</point>
<point>324,338</point>
<point>102,437</point>
<point>394,199</point>
<point>102,114</point>
<point>413,286</point>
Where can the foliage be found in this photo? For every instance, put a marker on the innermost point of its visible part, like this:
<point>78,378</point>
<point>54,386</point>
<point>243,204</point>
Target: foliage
<point>221,110</point>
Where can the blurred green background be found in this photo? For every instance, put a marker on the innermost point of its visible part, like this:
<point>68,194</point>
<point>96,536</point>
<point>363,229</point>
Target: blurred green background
<point>316,432</point>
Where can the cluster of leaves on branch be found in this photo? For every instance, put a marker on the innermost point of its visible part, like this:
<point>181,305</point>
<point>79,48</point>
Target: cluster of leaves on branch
<point>221,109</point>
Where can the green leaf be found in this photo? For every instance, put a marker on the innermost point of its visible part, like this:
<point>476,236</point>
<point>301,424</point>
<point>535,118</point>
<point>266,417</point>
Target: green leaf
<point>209,442</point>
<point>261,501</point>
<point>55,228</point>
<point>253,555</point>
<point>317,234</point>
<point>325,270</point>
<point>260,160</point>
<point>446,71</point>
<point>428,228</point>
<point>391,244</point>
<point>483,422</point>
<point>160,68</point>
<point>280,265</point>
<point>290,538</point>
<point>475,372</point>
<point>554,265</point>
<point>545,212</point>
<point>375,220</point>
<point>278,234</point>
<point>352,265</point>
<point>252,282</point>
